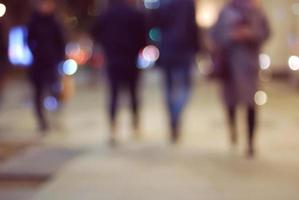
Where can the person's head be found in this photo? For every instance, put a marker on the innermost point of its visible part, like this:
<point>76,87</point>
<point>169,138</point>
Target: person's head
<point>46,7</point>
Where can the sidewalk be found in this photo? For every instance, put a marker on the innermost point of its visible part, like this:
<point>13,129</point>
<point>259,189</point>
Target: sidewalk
<point>202,167</point>
<point>157,171</point>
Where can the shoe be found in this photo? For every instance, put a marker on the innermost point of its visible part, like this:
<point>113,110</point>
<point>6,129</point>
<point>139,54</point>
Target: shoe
<point>250,153</point>
<point>175,136</point>
<point>112,142</point>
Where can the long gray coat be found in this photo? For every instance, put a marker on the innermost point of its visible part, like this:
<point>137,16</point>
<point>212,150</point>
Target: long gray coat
<point>242,58</point>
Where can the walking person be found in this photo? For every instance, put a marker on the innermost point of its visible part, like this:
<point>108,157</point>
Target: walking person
<point>238,36</point>
<point>178,47</point>
<point>3,59</point>
<point>46,42</point>
<point>121,32</point>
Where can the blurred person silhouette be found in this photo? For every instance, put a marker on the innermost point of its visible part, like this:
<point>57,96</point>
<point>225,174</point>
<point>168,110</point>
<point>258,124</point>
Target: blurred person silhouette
<point>3,58</point>
<point>46,42</point>
<point>238,35</point>
<point>121,31</point>
<point>178,47</point>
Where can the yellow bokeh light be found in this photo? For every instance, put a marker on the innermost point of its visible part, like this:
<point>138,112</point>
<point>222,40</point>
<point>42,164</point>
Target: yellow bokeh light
<point>207,14</point>
<point>261,98</point>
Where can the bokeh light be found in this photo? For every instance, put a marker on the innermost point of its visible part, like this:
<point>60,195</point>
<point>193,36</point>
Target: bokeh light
<point>80,51</point>
<point>261,98</point>
<point>2,9</point>
<point>265,61</point>
<point>295,8</point>
<point>151,53</point>
<point>70,67</point>
<point>294,63</point>
<point>51,103</point>
<point>18,51</point>
<point>148,56</point>
<point>155,35</point>
<point>207,14</point>
<point>151,4</point>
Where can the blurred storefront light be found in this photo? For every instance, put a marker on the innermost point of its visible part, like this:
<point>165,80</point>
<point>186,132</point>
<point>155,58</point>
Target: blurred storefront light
<point>18,50</point>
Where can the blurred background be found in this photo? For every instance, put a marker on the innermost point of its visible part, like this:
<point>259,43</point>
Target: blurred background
<point>74,161</point>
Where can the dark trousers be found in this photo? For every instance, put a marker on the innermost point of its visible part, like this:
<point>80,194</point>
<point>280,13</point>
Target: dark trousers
<point>178,89</point>
<point>40,89</point>
<point>123,81</point>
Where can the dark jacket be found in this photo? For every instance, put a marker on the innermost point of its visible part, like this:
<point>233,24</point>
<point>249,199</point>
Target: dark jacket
<point>180,34</point>
<point>3,51</point>
<point>121,32</point>
<point>46,42</point>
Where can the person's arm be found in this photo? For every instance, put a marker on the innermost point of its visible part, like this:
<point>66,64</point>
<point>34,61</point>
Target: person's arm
<point>221,32</point>
<point>263,29</point>
<point>142,30</point>
<point>31,36</point>
<point>256,32</point>
<point>60,42</point>
<point>96,31</point>
<point>196,32</point>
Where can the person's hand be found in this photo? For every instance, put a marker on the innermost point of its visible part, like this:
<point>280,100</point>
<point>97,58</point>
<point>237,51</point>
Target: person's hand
<point>242,33</point>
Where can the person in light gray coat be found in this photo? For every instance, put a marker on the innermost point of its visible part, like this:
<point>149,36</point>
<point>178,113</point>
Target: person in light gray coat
<point>240,32</point>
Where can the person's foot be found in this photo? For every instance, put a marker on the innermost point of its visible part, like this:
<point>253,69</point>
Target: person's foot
<point>233,138</point>
<point>250,153</point>
<point>43,128</point>
<point>112,142</point>
<point>112,137</point>
<point>174,136</point>
<point>136,135</point>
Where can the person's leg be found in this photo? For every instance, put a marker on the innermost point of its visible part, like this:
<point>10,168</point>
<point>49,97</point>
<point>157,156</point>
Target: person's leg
<point>251,122</point>
<point>231,99</point>
<point>231,116</point>
<point>133,86</point>
<point>55,89</point>
<point>57,115</point>
<point>180,93</point>
<point>38,98</point>
<point>113,103</point>
<point>170,102</point>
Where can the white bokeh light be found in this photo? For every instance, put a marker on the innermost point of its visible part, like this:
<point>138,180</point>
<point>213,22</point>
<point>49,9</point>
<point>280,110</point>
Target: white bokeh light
<point>70,67</point>
<point>265,61</point>
<point>151,4</point>
<point>2,9</point>
<point>294,63</point>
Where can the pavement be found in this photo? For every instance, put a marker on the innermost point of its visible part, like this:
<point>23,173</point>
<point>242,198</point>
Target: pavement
<point>202,166</point>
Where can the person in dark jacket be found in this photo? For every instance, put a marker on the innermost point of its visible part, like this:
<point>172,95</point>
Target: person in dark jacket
<point>178,48</point>
<point>121,32</point>
<point>46,42</point>
<point>3,59</point>
<point>239,34</point>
